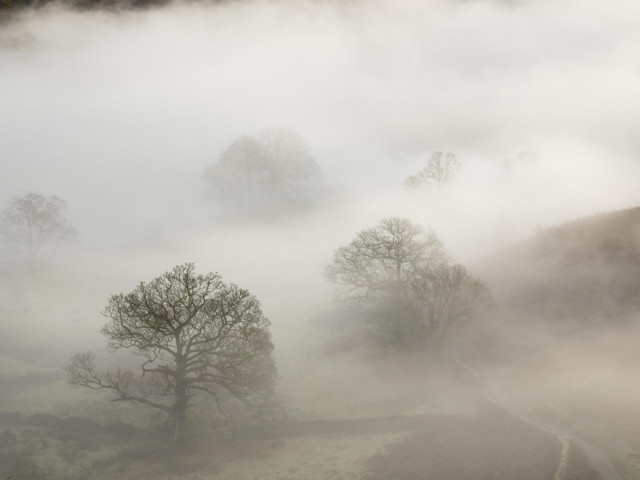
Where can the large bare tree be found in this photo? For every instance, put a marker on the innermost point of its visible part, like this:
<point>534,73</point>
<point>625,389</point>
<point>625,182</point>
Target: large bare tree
<point>33,224</point>
<point>195,333</point>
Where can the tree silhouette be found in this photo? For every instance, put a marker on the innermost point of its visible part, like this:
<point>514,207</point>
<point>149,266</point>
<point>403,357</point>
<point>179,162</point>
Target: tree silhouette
<point>195,333</point>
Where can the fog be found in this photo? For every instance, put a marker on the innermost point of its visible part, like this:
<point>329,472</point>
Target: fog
<point>140,102</point>
<point>120,112</point>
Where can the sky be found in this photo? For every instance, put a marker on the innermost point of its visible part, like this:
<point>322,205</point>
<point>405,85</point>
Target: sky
<point>119,113</point>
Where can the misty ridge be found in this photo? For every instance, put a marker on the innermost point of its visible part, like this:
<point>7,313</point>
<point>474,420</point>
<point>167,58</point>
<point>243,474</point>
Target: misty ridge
<point>333,240</point>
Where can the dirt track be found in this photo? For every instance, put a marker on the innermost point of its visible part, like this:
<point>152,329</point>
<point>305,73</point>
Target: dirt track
<point>600,460</point>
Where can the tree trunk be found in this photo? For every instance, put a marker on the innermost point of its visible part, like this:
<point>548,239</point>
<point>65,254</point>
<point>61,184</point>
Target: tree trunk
<point>179,410</point>
<point>179,415</point>
<point>434,348</point>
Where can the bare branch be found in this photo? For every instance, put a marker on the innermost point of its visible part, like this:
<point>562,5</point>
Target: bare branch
<point>440,171</point>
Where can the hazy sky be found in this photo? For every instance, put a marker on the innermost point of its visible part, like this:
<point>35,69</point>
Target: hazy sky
<point>120,113</point>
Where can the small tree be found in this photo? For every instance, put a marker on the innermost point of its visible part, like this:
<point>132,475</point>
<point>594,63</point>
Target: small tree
<point>32,224</point>
<point>440,171</point>
<point>195,333</point>
<point>411,288</point>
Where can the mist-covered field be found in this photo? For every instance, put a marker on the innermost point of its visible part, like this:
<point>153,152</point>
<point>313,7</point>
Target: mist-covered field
<point>140,119</point>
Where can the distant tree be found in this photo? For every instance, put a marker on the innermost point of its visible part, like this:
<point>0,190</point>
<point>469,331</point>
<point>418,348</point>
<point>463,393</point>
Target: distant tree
<point>240,175</point>
<point>32,224</point>
<point>289,161</point>
<point>402,275</point>
<point>274,167</point>
<point>195,334</point>
<point>440,171</point>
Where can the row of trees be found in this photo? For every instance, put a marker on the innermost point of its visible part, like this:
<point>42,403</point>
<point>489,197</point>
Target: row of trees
<point>442,168</point>
<point>274,168</point>
<point>271,169</point>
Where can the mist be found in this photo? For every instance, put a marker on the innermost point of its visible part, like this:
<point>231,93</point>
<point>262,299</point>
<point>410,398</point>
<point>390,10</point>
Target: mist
<point>120,112</point>
<point>141,102</point>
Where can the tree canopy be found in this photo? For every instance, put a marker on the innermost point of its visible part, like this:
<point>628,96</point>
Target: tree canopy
<point>412,289</point>
<point>195,333</point>
<point>383,259</point>
<point>273,167</point>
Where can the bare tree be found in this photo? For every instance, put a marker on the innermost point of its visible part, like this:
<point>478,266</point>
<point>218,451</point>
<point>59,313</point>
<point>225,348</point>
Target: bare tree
<point>33,224</point>
<point>383,259</point>
<point>195,333</point>
<point>403,276</point>
<point>440,171</point>
<point>442,295</point>
<point>276,166</point>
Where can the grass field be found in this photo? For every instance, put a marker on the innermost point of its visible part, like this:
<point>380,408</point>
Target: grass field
<point>85,437</point>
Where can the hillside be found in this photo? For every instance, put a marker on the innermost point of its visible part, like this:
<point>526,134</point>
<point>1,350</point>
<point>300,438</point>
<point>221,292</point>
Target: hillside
<point>582,272</point>
<point>566,334</point>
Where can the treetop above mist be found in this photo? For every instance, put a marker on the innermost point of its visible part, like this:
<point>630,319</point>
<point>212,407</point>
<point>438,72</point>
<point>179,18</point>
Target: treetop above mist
<point>272,169</point>
<point>439,172</point>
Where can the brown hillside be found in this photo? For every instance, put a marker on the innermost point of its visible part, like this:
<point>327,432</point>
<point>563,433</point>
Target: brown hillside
<point>587,271</point>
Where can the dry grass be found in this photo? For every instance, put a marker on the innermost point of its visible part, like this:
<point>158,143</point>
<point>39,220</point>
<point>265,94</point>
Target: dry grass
<point>312,458</point>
